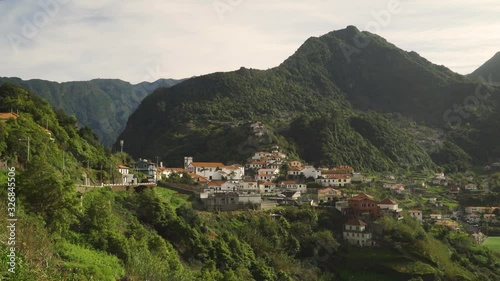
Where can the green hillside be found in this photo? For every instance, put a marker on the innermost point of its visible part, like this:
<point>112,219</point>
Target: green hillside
<point>325,106</point>
<point>154,234</point>
<point>102,104</point>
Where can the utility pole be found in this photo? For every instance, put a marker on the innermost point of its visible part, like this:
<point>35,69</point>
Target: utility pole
<point>111,175</point>
<point>87,180</point>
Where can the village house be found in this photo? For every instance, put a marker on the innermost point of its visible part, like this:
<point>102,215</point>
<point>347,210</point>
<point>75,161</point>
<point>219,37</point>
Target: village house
<point>209,170</point>
<point>248,186</point>
<point>344,169</point>
<point>122,169</point>
<point>417,214</point>
<point>436,216</point>
<point>259,155</point>
<point>267,187</point>
<point>294,164</point>
<point>233,172</point>
<point>291,195</point>
<point>362,204</point>
<point>218,186</point>
<point>310,172</point>
<point>398,188</point>
<point>480,210</point>
<point>127,178</point>
<point>356,233</point>
<point>266,174</point>
<point>164,173</point>
<point>391,207</point>
<point>440,179</point>
<point>336,180</point>
<point>324,194</point>
<point>257,164</point>
<point>489,217</point>
<point>357,177</point>
<point>292,185</point>
<point>198,179</point>
<point>294,173</point>
<point>147,168</point>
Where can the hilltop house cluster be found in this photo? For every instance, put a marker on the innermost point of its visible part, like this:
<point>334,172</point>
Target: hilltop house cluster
<point>264,174</point>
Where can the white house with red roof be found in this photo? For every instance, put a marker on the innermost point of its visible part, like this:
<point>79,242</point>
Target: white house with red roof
<point>336,180</point>
<point>256,164</point>
<point>209,170</point>
<point>293,185</point>
<point>266,174</point>
<point>122,169</point>
<point>391,207</point>
<point>267,187</point>
<point>233,172</point>
<point>164,172</point>
<point>356,233</point>
<point>248,186</point>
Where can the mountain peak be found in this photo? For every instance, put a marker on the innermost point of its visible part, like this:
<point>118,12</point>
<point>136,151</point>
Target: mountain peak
<point>490,68</point>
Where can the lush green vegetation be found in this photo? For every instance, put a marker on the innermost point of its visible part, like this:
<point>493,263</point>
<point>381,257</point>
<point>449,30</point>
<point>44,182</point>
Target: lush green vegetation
<point>102,104</point>
<point>316,105</point>
<point>154,234</point>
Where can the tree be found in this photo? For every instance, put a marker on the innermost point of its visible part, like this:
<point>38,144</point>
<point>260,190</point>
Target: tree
<point>45,192</point>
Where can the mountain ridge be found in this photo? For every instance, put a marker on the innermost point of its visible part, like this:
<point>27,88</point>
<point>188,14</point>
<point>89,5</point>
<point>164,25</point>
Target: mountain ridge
<point>102,104</point>
<point>489,71</point>
<point>317,82</point>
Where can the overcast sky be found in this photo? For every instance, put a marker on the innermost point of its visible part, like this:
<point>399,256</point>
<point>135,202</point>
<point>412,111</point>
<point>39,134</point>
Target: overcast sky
<point>145,40</point>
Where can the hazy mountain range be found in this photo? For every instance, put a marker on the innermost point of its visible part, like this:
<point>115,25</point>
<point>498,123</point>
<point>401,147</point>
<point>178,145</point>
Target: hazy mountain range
<point>102,104</point>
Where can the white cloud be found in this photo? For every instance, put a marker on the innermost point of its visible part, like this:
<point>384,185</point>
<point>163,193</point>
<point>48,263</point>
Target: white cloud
<point>127,39</point>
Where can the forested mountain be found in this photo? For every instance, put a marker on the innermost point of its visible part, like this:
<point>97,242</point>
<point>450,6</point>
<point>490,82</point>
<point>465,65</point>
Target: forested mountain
<point>345,97</point>
<point>153,234</point>
<point>102,104</point>
<point>489,70</point>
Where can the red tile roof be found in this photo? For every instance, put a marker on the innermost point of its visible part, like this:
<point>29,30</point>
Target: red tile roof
<point>122,167</point>
<point>207,164</point>
<point>388,201</point>
<point>8,115</point>
<point>356,222</point>
<point>328,189</point>
<point>362,196</point>
<point>216,183</point>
